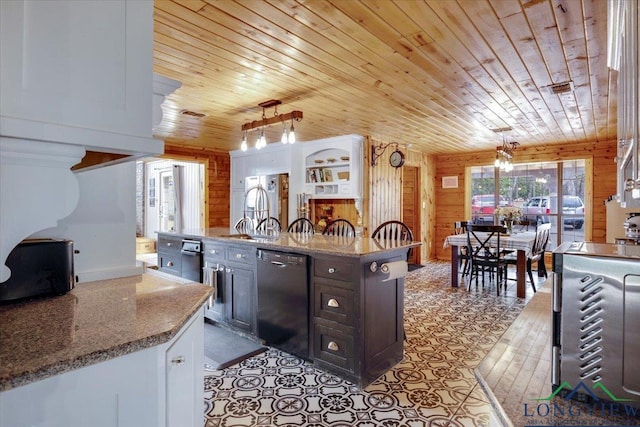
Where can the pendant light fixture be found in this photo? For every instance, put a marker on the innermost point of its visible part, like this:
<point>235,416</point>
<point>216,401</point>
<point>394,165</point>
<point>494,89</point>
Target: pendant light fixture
<point>504,153</point>
<point>261,125</point>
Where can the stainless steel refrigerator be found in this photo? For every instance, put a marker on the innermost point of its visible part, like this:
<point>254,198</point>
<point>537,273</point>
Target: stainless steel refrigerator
<point>277,189</point>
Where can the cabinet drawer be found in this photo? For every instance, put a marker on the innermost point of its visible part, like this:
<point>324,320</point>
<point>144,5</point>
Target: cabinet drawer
<point>170,262</point>
<point>243,255</point>
<point>334,269</point>
<point>214,251</point>
<point>169,243</point>
<point>334,346</point>
<point>333,303</point>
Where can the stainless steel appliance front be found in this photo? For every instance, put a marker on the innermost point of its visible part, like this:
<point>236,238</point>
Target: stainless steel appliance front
<point>596,324</point>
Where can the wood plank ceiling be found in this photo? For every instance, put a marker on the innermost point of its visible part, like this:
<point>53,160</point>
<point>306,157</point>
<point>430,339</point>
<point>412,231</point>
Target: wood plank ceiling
<point>441,75</point>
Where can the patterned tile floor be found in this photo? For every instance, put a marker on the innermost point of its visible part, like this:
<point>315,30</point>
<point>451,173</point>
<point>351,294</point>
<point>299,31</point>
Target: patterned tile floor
<point>448,333</point>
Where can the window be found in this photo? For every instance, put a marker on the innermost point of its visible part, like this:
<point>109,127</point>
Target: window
<point>536,188</point>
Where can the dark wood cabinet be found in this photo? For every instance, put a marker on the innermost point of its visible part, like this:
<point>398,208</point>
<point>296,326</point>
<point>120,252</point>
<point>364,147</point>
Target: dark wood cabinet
<point>235,303</point>
<point>357,317</point>
<point>169,256</point>
<point>240,289</point>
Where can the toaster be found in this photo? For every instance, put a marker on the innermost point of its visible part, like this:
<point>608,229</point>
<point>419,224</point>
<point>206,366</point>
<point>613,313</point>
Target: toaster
<point>39,267</point>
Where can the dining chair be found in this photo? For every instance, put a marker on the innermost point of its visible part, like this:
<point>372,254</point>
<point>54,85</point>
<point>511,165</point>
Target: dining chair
<point>270,222</point>
<point>460,227</point>
<point>244,225</point>
<point>523,224</point>
<point>301,225</point>
<point>538,250</point>
<point>340,227</point>
<point>393,231</point>
<point>486,254</point>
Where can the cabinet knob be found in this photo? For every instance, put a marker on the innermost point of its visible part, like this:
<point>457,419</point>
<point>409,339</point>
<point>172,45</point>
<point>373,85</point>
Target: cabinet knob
<point>333,346</point>
<point>333,303</point>
<point>332,270</point>
<point>169,244</point>
<point>170,264</point>
<point>213,251</point>
<point>178,361</point>
<point>239,256</point>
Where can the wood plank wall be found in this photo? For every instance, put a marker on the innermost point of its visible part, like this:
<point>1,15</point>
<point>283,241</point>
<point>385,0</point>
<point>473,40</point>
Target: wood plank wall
<point>385,192</point>
<point>218,169</point>
<point>451,202</point>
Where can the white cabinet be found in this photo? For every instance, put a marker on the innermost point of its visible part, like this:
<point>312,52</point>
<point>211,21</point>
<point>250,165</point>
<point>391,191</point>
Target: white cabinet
<point>332,168</point>
<point>127,391</point>
<point>76,82</point>
<point>342,160</point>
<point>624,52</point>
<point>184,368</point>
<point>78,72</point>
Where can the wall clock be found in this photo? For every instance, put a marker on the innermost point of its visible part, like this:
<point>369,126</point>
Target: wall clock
<point>396,159</point>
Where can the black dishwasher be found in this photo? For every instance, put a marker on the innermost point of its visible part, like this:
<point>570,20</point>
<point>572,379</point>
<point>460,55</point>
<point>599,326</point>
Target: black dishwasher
<point>283,301</point>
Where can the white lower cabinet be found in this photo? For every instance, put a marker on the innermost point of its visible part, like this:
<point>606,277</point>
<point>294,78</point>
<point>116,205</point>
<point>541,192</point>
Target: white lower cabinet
<point>127,391</point>
<point>184,369</point>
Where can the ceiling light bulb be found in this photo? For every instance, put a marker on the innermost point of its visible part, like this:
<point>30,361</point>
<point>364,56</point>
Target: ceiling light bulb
<point>243,146</point>
<point>284,135</point>
<point>259,142</point>
<point>497,162</point>
<point>292,134</point>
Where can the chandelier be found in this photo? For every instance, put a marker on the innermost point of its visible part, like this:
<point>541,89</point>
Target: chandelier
<point>288,137</point>
<point>504,152</point>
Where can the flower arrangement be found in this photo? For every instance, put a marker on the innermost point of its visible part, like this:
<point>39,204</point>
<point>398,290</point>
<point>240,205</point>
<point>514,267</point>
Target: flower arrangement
<point>509,213</point>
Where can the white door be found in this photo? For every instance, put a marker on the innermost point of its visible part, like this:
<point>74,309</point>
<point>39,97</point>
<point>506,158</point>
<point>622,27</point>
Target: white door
<point>167,202</point>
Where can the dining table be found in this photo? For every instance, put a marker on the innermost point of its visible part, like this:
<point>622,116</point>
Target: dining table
<point>521,242</point>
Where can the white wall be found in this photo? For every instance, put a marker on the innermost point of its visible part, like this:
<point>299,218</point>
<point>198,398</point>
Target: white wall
<point>103,225</point>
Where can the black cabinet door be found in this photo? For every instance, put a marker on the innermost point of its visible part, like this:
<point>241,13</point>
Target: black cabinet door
<point>240,300</point>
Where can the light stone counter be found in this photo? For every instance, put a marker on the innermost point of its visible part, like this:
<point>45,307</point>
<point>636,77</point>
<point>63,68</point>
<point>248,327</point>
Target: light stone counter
<point>94,322</point>
<point>359,247</point>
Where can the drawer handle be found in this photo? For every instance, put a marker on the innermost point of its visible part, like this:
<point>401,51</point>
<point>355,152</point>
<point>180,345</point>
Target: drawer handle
<point>333,303</point>
<point>178,361</point>
<point>333,346</point>
<point>332,270</point>
<point>170,264</point>
<point>239,256</point>
<point>213,251</point>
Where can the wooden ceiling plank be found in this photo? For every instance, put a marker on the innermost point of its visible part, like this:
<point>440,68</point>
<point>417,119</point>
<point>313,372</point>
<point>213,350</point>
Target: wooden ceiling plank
<point>360,14</point>
<point>368,58</point>
<point>476,58</point>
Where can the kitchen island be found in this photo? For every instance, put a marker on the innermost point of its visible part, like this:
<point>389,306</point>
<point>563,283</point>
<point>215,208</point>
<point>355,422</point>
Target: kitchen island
<point>125,351</point>
<point>355,311</point>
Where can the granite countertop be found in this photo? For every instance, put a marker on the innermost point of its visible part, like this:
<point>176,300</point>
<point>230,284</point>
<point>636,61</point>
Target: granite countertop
<point>304,243</point>
<point>92,323</point>
<point>607,250</point>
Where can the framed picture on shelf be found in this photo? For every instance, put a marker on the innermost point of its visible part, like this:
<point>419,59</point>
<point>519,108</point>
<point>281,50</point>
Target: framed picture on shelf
<point>328,176</point>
